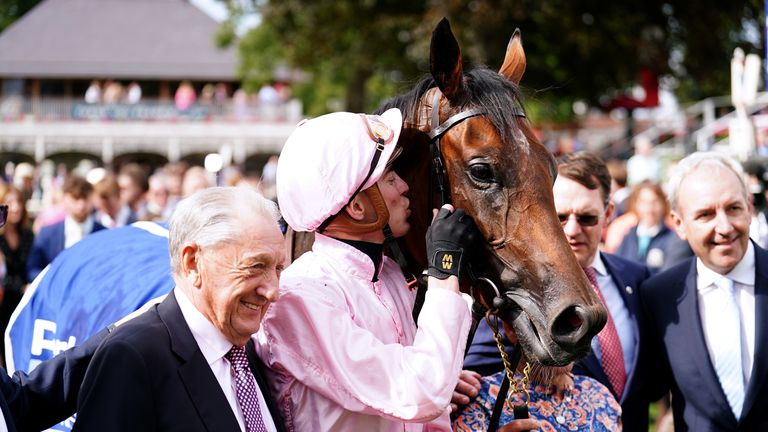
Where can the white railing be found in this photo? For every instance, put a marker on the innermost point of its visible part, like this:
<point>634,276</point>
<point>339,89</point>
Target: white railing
<point>14,108</point>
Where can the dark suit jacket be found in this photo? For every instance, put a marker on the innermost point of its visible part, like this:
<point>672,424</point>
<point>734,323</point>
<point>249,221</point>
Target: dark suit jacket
<point>49,393</point>
<point>150,375</point>
<point>47,245</point>
<point>627,275</point>
<point>682,361</point>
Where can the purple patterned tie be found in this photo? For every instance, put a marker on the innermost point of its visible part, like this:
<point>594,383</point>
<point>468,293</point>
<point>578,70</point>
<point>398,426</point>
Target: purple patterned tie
<point>247,395</point>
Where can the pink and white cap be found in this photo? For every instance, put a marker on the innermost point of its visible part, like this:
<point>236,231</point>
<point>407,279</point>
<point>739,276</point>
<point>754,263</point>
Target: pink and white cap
<point>327,159</point>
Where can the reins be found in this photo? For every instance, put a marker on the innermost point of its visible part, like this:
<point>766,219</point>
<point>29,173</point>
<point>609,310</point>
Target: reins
<point>437,180</point>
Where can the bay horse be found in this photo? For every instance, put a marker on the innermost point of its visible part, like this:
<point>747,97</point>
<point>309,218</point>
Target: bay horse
<point>490,163</point>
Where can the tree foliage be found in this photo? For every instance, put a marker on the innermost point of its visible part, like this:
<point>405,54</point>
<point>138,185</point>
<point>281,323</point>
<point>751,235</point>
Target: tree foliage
<point>11,10</point>
<point>363,51</point>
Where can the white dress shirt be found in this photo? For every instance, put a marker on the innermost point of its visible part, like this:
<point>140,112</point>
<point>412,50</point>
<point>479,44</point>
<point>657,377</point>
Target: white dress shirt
<point>214,346</point>
<point>74,231</point>
<point>743,277</point>
<point>622,319</point>
<point>3,424</point>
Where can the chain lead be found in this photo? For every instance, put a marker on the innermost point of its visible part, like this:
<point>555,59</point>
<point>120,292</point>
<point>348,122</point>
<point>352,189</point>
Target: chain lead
<point>515,386</point>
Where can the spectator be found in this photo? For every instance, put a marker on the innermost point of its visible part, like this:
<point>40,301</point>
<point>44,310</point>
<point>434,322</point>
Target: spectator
<point>93,93</point>
<point>78,223</point>
<point>647,241</point>
<point>15,244</point>
<point>706,316</point>
<point>157,198</point>
<point>113,92</point>
<point>174,178</point>
<point>195,178</point>
<point>133,184</point>
<point>207,93</point>
<point>185,96</point>
<point>133,95</point>
<point>24,179</point>
<point>220,94</point>
<point>106,200</point>
<point>619,190</point>
<point>644,165</point>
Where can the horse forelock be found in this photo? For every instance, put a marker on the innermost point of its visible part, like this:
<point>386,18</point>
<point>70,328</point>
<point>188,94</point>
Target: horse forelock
<point>484,89</point>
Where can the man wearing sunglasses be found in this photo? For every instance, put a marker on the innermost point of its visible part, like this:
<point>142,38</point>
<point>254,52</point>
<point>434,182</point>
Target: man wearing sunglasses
<point>584,207</point>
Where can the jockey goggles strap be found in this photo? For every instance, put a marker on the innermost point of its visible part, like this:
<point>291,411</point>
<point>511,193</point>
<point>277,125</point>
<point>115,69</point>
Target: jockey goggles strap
<point>374,162</point>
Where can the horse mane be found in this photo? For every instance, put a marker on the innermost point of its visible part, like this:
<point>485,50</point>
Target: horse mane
<point>483,88</point>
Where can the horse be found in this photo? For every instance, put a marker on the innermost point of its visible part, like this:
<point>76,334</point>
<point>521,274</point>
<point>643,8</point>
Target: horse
<point>465,139</point>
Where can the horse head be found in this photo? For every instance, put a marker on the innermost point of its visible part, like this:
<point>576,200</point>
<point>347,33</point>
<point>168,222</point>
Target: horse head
<point>499,173</point>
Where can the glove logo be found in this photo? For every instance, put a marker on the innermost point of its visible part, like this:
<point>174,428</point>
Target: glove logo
<point>447,262</point>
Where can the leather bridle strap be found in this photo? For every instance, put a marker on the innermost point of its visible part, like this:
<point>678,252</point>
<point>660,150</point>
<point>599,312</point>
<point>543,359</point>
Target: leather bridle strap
<point>437,130</point>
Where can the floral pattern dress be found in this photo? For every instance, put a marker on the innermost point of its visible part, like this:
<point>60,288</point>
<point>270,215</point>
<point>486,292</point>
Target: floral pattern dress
<point>587,406</point>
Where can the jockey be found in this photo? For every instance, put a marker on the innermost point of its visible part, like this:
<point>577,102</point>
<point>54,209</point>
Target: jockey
<point>341,341</point>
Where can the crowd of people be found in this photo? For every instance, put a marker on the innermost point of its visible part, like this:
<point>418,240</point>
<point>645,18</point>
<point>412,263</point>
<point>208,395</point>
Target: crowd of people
<point>246,341</point>
<point>110,92</point>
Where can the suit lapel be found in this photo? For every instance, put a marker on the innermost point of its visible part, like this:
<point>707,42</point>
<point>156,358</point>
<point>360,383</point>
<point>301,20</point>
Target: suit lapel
<point>616,269</point>
<point>757,380</point>
<point>203,388</point>
<point>697,352</point>
<point>59,240</point>
<point>256,368</point>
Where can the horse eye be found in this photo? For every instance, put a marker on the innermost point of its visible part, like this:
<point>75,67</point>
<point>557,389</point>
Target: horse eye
<point>481,172</point>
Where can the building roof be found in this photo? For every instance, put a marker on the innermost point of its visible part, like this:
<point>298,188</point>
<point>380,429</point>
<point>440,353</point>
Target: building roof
<point>121,39</point>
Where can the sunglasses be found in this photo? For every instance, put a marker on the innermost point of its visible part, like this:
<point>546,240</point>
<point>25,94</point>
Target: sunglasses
<point>3,214</point>
<point>581,219</point>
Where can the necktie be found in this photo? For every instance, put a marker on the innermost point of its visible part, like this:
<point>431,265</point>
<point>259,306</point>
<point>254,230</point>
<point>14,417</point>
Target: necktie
<point>643,241</point>
<point>610,345</point>
<point>247,396</point>
<point>726,345</point>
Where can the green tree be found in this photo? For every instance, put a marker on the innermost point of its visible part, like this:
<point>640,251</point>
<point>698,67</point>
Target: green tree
<point>363,51</point>
<point>11,10</point>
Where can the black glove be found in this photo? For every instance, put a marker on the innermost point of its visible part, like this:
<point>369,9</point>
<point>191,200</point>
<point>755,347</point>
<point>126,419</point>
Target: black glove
<point>450,238</point>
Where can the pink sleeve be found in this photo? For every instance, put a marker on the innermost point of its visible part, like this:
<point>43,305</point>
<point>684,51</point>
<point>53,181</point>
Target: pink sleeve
<point>311,335</point>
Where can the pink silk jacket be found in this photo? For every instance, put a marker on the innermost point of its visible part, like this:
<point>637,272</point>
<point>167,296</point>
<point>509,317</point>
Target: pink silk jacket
<point>345,353</point>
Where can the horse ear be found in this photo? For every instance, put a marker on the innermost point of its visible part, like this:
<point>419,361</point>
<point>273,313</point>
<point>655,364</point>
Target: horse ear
<point>445,60</point>
<point>514,61</point>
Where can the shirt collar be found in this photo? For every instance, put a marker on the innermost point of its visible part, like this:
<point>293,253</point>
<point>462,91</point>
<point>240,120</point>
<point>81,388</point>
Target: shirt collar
<point>85,228</point>
<point>743,273</point>
<point>599,266</point>
<point>647,231</point>
<point>212,343</point>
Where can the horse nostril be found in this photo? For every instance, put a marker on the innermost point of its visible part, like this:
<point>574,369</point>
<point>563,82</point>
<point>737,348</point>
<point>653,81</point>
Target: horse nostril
<point>570,326</point>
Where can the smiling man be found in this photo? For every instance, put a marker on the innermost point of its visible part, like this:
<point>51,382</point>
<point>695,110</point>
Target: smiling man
<point>188,363</point>
<point>707,315</point>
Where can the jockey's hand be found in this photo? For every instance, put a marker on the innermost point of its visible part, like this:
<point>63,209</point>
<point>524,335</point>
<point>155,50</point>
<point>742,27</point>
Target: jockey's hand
<point>451,239</point>
<point>466,389</point>
<point>520,426</point>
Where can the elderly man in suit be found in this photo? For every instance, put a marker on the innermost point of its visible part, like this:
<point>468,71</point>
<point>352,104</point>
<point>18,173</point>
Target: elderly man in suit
<point>707,315</point>
<point>188,364</point>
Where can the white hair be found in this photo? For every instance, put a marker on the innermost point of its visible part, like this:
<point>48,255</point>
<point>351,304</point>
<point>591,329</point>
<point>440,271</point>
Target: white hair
<point>213,216</point>
<point>698,160</point>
